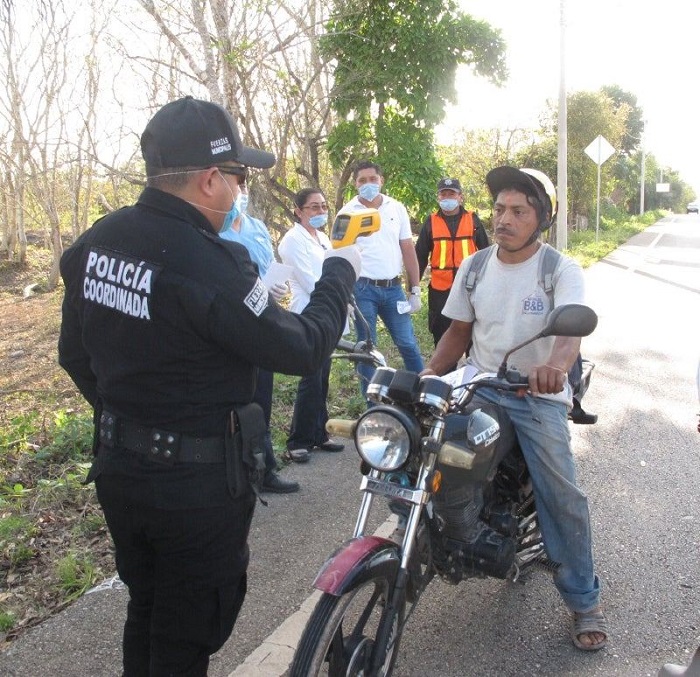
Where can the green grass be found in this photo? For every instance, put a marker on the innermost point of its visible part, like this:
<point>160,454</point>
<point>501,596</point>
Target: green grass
<point>612,232</point>
<point>76,574</point>
<point>7,621</point>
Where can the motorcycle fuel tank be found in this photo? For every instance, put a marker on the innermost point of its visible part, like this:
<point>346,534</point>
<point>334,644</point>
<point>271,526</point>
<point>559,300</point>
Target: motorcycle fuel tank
<point>475,432</point>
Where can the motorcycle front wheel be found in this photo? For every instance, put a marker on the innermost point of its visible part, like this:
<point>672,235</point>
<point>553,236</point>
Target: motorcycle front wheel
<point>344,632</point>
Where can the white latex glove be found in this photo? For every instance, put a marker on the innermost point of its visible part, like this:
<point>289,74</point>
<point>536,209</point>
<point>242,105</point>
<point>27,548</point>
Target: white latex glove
<point>414,300</point>
<point>351,311</point>
<point>351,254</point>
<point>278,291</point>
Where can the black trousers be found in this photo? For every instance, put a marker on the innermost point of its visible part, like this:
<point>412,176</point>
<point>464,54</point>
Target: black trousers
<point>310,415</point>
<point>186,574</point>
<point>263,397</point>
<point>438,324</point>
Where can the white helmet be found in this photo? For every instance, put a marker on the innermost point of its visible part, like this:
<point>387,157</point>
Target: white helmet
<point>532,182</point>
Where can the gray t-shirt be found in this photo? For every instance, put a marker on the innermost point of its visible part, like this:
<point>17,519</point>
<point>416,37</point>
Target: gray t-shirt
<point>508,306</point>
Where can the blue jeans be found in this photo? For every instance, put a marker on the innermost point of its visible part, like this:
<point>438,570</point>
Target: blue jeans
<point>310,410</point>
<point>381,302</point>
<point>562,508</point>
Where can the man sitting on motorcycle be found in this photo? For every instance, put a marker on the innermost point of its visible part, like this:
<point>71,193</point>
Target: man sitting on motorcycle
<point>507,307</point>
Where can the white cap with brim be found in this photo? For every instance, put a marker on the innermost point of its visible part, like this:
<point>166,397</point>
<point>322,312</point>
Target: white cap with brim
<point>505,177</point>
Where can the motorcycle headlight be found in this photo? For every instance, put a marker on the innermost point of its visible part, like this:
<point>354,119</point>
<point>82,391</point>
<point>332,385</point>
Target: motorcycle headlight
<point>384,438</point>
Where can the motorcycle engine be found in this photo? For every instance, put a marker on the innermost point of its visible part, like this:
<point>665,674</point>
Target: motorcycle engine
<point>471,547</point>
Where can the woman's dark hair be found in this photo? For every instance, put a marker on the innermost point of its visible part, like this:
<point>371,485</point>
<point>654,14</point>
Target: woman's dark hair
<point>302,196</point>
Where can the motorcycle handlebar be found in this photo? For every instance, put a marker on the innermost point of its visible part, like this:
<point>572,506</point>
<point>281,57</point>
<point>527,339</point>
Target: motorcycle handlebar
<point>361,351</point>
<point>346,346</point>
<point>500,384</point>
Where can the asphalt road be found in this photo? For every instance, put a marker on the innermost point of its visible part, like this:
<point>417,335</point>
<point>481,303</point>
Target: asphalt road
<point>640,466</point>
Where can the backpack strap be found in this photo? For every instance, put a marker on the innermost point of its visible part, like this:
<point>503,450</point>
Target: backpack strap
<point>545,275</point>
<point>477,261</point>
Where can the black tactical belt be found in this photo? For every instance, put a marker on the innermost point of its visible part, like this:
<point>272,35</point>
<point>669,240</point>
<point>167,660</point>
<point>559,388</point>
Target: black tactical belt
<point>161,445</point>
<point>381,283</point>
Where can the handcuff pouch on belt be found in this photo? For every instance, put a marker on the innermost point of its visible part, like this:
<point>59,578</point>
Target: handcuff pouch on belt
<point>245,449</point>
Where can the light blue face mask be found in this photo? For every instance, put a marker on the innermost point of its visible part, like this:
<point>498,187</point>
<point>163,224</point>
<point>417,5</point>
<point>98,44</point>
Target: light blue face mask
<point>318,220</point>
<point>448,205</point>
<point>243,203</point>
<point>231,215</point>
<point>368,191</point>
<point>235,211</point>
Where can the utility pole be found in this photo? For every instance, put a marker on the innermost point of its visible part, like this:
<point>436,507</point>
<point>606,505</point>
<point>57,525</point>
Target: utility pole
<point>562,165</point>
<point>641,187</point>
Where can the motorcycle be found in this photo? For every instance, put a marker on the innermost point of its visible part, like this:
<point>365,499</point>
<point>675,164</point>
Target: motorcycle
<point>458,487</point>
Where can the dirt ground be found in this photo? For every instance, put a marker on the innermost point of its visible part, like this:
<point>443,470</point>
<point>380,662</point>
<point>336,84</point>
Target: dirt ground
<point>33,385</point>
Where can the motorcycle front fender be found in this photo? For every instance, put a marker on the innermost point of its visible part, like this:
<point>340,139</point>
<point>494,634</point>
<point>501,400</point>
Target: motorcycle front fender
<point>356,561</point>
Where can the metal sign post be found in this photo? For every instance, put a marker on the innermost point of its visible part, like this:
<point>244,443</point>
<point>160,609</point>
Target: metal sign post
<point>599,150</point>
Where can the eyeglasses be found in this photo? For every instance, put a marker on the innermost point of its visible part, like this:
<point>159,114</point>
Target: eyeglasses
<point>315,207</point>
<point>241,173</point>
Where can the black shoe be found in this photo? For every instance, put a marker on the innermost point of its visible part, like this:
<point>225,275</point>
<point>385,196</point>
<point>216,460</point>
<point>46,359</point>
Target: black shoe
<point>300,455</point>
<point>331,446</point>
<point>274,484</point>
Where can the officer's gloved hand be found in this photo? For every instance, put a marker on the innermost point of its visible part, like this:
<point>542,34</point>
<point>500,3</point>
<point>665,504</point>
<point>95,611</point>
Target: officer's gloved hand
<point>414,300</point>
<point>351,254</point>
<point>278,290</point>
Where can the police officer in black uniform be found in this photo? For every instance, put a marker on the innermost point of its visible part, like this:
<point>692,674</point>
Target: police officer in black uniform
<point>164,327</point>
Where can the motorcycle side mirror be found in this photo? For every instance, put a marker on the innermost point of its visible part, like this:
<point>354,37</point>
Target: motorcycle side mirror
<point>571,319</point>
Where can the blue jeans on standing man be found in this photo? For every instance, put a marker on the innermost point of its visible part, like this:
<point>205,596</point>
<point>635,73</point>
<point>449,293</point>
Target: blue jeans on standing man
<point>562,508</point>
<point>381,302</point>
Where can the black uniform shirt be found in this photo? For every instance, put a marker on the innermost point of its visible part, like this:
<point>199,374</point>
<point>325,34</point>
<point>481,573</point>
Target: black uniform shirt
<point>165,323</point>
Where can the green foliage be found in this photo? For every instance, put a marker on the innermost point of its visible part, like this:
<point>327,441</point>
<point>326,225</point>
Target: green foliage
<point>407,52</point>
<point>7,621</point>
<point>634,122</point>
<point>616,227</point>
<point>16,532</point>
<point>90,525</point>
<point>395,65</point>
<point>66,435</point>
<point>589,114</point>
<point>69,437</point>
<point>20,429</point>
<point>472,153</point>
<point>76,574</point>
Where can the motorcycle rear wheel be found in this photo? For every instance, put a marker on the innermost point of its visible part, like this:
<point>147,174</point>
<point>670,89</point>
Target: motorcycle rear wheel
<point>341,634</point>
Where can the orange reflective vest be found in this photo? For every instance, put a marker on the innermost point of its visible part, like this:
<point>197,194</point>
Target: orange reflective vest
<point>448,251</point>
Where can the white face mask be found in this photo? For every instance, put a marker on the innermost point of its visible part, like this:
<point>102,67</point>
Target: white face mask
<point>449,204</point>
<point>368,191</point>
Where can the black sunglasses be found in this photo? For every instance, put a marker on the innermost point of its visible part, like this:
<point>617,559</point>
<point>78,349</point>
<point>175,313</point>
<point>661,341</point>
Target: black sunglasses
<point>240,172</point>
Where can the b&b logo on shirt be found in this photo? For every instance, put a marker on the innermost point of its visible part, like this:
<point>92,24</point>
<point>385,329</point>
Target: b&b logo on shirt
<point>534,305</point>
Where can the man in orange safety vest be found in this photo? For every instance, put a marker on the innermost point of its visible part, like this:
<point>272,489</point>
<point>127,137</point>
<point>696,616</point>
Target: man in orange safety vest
<point>447,237</point>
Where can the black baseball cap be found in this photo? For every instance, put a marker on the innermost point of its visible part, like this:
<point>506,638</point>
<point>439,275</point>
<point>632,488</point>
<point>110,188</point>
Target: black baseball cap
<point>449,184</point>
<point>189,132</point>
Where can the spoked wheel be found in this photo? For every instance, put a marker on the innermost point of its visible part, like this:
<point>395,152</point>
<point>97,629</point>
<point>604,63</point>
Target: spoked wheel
<point>344,632</point>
